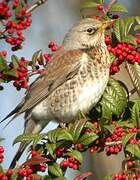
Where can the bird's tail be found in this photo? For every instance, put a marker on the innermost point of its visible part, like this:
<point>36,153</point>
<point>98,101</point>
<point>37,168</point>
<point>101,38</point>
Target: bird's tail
<point>31,127</point>
<point>18,155</point>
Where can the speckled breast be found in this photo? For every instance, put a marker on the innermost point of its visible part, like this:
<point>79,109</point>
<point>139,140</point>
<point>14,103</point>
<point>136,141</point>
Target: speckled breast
<point>80,93</point>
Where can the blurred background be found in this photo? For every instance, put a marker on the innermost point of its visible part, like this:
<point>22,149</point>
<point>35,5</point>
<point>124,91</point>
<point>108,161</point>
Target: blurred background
<point>50,22</point>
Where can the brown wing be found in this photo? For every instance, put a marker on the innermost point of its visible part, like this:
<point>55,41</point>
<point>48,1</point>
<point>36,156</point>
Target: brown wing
<point>64,65</point>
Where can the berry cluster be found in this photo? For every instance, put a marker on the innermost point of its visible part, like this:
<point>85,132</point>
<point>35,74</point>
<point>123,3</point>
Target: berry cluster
<point>59,152</point>
<point>122,52</point>
<point>1,154</point>
<point>4,10</point>
<point>22,80</point>
<point>115,137</point>
<point>127,175</point>
<point>13,28</point>
<point>71,162</point>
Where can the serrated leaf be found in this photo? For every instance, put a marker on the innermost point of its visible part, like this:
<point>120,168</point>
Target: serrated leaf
<point>11,72</point>
<point>133,149</point>
<point>76,154</point>
<point>88,4</point>
<point>118,8</point>
<point>101,1</point>
<point>63,134</point>
<point>128,24</point>
<point>60,178</point>
<point>108,177</point>
<point>130,39</point>
<point>137,27</point>
<point>15,61</point>
<point>35,161</point>
<point>126,139</point>
<point>110,128</point>
<point>55,170</point>
<point>119,29</point>
<point>19,8</point>
<point>28,137</point>
<point>35,56</point>
<point>137,19</point>
<point>51,149</point>
<point>52,135</point>
<point>38,138</point>
<point>3,65</point>
<point>114,99</point>
<point>134,71</point>
<point>87,139</point>
<point>125,124</point>
<point>89,125</point>
<point>14,176</point>
<point>76,128</point>
<point>135,113</point>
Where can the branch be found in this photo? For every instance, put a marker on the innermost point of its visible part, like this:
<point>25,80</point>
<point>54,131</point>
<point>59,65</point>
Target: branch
<point>32,8</point>
<point>113,143</point>
<point>35,5</point>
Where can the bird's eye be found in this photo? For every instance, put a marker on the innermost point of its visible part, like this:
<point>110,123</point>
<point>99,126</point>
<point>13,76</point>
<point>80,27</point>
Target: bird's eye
<point>91,30</point>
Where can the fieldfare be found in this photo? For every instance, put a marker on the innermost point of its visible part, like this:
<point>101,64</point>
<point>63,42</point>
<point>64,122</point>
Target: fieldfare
<point>74,80</point>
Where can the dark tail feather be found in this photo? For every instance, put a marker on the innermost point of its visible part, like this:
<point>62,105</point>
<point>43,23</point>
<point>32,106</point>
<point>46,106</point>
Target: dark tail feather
<point>18,155</point>
<point>16,111</point>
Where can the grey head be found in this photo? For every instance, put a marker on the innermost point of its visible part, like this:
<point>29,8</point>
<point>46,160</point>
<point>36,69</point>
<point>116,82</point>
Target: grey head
<point>87,33</point>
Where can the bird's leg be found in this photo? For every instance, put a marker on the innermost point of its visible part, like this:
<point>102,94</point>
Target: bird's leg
<point>62,125</point>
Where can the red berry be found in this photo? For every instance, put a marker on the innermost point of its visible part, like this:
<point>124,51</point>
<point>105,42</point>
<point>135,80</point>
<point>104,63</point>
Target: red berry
<point>100,7</point>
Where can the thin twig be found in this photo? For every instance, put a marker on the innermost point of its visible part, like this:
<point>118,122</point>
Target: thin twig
<point>32,8</point>
<point>109,5</point>
<point>113,143</point>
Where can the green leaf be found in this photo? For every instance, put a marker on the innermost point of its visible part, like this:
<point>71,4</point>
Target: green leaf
<point>51,149</point>
<point>126,124</point>
<point>128,24</point>
<point>110,128</point>
<point>133,149</point>
<point>35,56</point>
<point>130,39</point>
<point>15,61</point>
<point>88,4</point>
<point>118,8</point>
<point>126,139</point>
<point>52,135</point>
<point>28,138</point>
<point>55,170</point>
<point>87,139</point>
<point>119,29</point>
<point>63,134</point>
<point>3,65</point>
<point>137,19</point>
<point>76,128</point>
<point>134,70</point>
<point>11,72</point>
<point>101,1</point>
<point>38,138</point>
<point>76,154</point>
<point>60,178</point>
<point>114,99</point>
<point>137,27</point>
<point>135,113</point>
<point>19,8</point>
<point>108,177</point>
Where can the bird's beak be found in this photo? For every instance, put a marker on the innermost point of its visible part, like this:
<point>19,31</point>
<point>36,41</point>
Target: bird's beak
<point>105,24</point>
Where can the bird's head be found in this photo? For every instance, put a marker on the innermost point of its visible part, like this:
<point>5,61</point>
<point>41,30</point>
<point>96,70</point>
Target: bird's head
<point>88,33</point>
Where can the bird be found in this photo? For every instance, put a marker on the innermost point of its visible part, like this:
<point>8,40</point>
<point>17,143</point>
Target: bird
<point>74,80</point>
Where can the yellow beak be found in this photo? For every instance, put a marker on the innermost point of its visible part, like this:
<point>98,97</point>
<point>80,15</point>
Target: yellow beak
<point>105,24</point>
